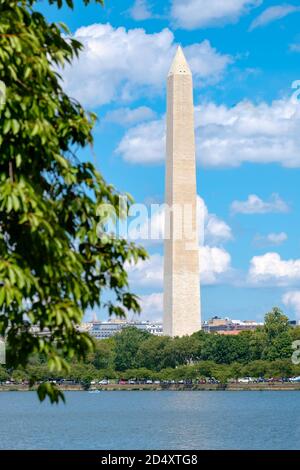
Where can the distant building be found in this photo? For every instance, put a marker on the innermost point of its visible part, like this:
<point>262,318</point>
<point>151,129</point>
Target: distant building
<point>229,326</point>
<point>229,332</point>
<point>107,329</point>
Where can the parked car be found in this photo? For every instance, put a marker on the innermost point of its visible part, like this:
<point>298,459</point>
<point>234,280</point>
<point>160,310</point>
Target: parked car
<point>132,382</point>
<point>149,381</point>
<point>295,379</point>
<point>67,382</point>
<point>157,382</point>
<point>122,382</point>
<point>243,380</point>
<point>104,382</point>
<point>212,380</point>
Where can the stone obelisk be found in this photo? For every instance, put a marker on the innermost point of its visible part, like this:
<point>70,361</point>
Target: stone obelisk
<point>182,315</point>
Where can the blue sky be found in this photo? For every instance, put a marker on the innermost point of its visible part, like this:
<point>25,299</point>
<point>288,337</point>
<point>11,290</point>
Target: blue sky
<point>245,56</point>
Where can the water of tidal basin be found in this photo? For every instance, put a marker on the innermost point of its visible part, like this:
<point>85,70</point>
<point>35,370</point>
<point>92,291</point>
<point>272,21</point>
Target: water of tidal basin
<point>152,420</point>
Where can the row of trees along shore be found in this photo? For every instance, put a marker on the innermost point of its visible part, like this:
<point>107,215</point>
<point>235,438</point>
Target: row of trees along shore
<point>133,353</point>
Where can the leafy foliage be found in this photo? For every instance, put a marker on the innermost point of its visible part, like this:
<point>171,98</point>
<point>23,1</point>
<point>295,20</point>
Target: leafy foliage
<point>135,349</point>
<point>53,266</point>
<point>133,353</point>
<point>127,346</point>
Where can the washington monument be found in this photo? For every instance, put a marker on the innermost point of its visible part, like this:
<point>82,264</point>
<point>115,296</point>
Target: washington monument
<point>182,315</point>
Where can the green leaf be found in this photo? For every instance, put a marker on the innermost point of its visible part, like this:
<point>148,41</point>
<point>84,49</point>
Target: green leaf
<point>6,126</point>
<point>49,390</point>
<point>15,126</point>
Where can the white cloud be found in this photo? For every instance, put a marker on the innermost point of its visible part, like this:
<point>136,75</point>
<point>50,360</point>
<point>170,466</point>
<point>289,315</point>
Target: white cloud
<point>206,64</point>
<point>274,239</point>
<point>227,137</point>
<point>215,264</point>
<point>212,230</point>
<point>247,132</point>
<point>140,10</point>
<point>192,14</point>
<point>128,116</point>
<point>272,14</point>
<point>271,269</point>
<point>255,205</point>
<point>216,230</point>
<point>144,143</point>
<point>292,299</point>
<point>152,307</point>
<point>122,65</point>
<point>148,273</point>
<point>215,268</point>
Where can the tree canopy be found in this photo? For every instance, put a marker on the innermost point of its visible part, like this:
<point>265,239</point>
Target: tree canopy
<point>53,265</point>
<point>133,353</point>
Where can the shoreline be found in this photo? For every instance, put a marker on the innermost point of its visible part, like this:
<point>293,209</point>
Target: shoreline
<point>155,387</point>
